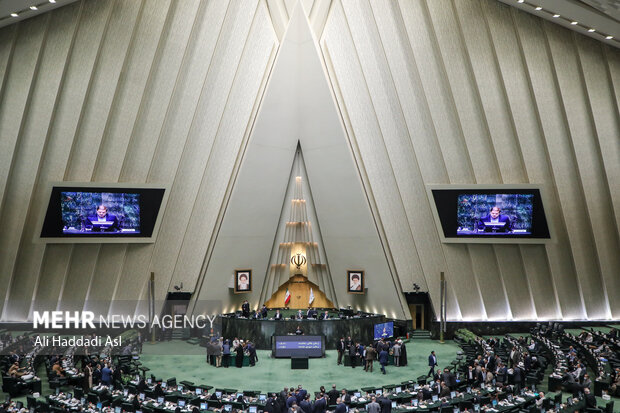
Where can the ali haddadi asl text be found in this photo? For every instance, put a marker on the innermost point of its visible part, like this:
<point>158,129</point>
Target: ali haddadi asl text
<point>77,341</point>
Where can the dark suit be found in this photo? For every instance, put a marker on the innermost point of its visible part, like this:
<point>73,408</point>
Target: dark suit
<point>306,406</point>
<point>386,404</point>
<point>278,316</point>
<point>333,396</point>
<point>109,225</point>
<point>341,408</point>
<point>383,360</point>
<point>432,362</point>
<point>245,309</point>
<point>341,347</point>
<point>320,405</point>
<point>499,228</point>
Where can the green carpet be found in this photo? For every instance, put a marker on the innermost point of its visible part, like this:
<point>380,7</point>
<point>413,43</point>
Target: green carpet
<point>188,362</point>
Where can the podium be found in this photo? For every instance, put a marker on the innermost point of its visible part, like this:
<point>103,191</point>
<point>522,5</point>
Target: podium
<point>299,363</point>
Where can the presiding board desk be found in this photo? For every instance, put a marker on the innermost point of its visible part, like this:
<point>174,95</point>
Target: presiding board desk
<point>260,332</point>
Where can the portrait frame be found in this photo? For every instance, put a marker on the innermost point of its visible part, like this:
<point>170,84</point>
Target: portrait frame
<point>350,283</point>
<point>239,286</point>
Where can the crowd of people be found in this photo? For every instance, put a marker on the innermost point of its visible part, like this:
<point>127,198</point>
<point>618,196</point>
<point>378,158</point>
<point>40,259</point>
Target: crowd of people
<point>227,353</point>
<point>365,355</point>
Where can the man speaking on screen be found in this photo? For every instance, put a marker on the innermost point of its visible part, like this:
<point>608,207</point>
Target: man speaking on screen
<point>495,221</point>
<point>103,221</point>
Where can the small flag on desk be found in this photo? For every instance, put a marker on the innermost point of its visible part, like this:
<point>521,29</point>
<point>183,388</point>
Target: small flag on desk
<point>287,297</point>
<point>311,299</point>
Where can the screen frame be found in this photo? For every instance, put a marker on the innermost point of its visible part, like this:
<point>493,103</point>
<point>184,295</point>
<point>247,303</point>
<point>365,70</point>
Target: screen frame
<point>100,240</point>
<point>275,338</point>
<point>500,188</point>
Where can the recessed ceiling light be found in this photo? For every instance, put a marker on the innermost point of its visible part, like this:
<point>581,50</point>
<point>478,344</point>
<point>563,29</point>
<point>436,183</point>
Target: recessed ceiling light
<point>591,30</point>
<point>34,8</point>
<point>538,8</point>
<point>52,1</point>
<point>14,14</point>
<point>520,1</point>
<point>609,37</point>
<point>574,23</point>
<point>556,15</point>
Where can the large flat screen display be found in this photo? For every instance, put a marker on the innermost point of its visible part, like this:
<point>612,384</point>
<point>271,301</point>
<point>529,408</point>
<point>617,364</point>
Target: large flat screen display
<point>89,212</point>
<point>490,214</point>
<point>384,330</point>
<point>299,346</point>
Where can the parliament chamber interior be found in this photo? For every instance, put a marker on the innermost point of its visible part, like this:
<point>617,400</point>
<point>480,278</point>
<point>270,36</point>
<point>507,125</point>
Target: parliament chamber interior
<point>310,206</point>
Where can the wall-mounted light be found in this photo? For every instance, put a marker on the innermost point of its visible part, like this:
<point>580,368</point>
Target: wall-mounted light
<point>298,260</point>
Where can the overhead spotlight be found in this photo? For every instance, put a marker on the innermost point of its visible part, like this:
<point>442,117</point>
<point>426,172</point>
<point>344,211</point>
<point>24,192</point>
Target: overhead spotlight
<point>14,14</point>
<point>538,8</point>
<point>574,23</point>
<point>34,8</point>
<point>609,37</point>
<point>591,30</point>
<point>52,1</point>
<point>556,15</point>
<point>520,1</point>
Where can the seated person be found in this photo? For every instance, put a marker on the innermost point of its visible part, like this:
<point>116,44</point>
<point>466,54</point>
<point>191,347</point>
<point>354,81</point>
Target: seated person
<point>15,370</point>
<point>325,315</point>
<point>103,221</point>
<point>299,331</point>
<point>58,369</point>
<point>495,221</point>
<point>278,315</point>
<point>299,315</point>
<point>311,313</point>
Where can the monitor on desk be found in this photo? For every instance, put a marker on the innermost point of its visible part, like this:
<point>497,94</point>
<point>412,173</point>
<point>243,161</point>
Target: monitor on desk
<point>357,394</point>
<point>218,394</point>
<point>262,397</point>
<point>378,392</point>
<point>125,392</point>
<point>118,409</point>
<point>19,405</point>
<point>476,407</point>
<point>203,406</point>
<point>141,397</point>
<point>160,399</point>
<point>398,390</point>
<point>164,385</point>
<point>149,381</point>
<point>414,402</point>
<point>69,396</point>
<point>83,400</point>
<point>393,404</point>
<point>180,387</point>
<point>99,405</point>
<point>228,408</point>
<point>198,391</point>
<point>452,394</point>
<point>181,402</point>
<point>240,394</point>
<point>435,398</point>
<point>252,409</point>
